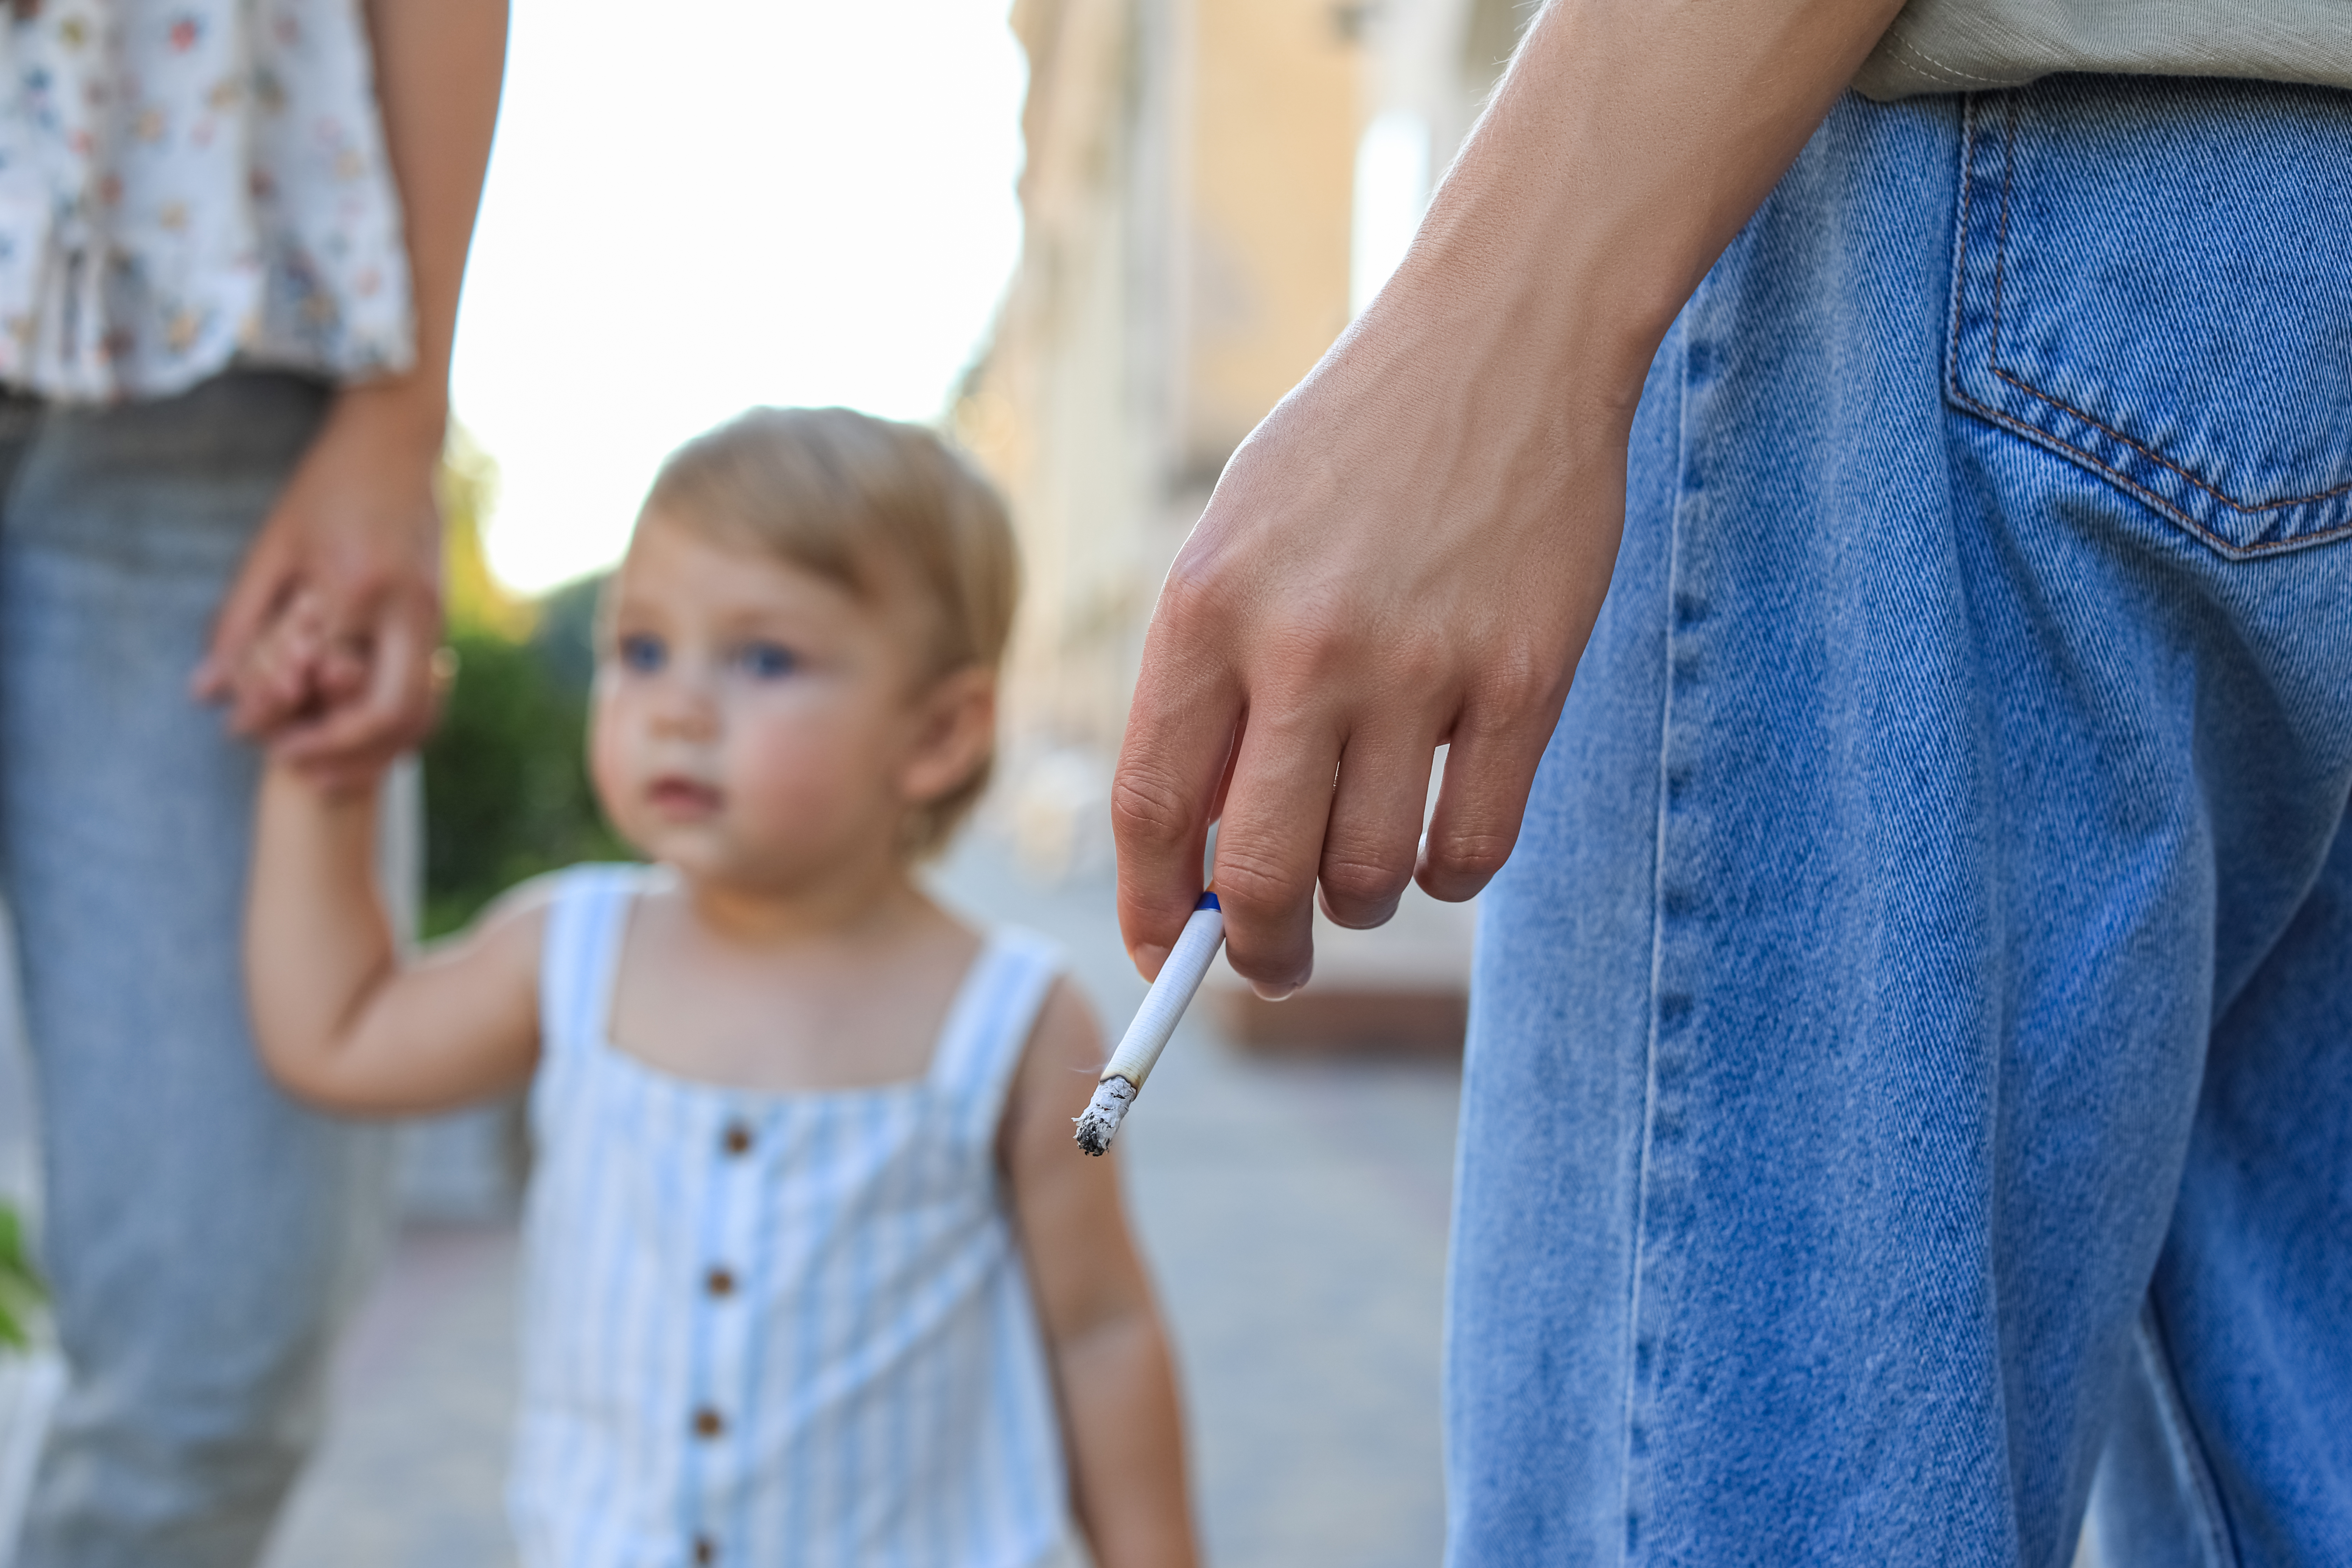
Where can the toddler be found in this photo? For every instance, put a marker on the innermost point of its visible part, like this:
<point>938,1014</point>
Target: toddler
<point>814,1273</point>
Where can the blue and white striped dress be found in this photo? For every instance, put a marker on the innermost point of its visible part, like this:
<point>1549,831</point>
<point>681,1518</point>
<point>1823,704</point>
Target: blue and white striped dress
<point>776,1328</point>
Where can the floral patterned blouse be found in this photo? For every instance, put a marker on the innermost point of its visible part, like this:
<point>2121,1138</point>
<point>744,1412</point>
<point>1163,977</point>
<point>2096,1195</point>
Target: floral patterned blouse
<point>185,183</point>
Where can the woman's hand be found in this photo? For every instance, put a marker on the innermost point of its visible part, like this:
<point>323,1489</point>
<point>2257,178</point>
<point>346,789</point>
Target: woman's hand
<point>358,530</point>
<point>355,542</point>
<point>1413,546</point>
<point>1410,551</point>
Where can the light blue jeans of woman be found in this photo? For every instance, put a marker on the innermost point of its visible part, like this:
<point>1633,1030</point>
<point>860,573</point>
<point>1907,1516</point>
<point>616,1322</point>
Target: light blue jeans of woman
<point>1911,1053</point>
<point>200,1230</point>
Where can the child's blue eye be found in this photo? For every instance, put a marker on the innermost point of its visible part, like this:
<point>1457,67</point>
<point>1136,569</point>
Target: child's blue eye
<point>641,654</point>
<point>766,660</point>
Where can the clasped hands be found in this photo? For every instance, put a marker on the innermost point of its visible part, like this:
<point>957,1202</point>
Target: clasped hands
<point>323,648</point>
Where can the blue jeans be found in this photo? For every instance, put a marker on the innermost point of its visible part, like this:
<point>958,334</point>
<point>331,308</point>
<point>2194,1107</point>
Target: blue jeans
<point>1911,1051</point>
<point>200,1228</point>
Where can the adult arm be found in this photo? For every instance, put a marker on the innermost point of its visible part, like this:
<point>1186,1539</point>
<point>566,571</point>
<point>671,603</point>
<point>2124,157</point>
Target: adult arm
<point>1112,1373</point>
<point>1413,547</point>
<point>358,524</point>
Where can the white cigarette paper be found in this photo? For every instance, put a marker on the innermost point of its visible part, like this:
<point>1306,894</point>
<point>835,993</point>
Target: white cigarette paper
<point>1155,1021</point>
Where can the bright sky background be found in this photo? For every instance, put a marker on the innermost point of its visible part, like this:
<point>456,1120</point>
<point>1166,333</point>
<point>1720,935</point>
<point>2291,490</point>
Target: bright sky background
<point>707,204</point>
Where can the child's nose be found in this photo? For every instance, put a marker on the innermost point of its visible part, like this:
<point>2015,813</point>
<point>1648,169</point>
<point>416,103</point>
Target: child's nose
<point>686,708</point>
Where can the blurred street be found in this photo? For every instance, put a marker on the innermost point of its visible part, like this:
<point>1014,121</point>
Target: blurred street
<point>1294,1214</point>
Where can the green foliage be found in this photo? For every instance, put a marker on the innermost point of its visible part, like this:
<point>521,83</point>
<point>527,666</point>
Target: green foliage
<point>566,637</point>
<point>506,780</point>
<point>20,1288</point>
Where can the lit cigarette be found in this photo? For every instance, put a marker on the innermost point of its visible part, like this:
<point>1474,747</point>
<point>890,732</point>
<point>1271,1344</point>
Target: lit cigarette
<point>1162,1007</point>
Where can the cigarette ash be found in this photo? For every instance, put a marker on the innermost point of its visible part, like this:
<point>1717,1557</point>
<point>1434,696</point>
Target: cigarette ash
<point>1096,1128</point>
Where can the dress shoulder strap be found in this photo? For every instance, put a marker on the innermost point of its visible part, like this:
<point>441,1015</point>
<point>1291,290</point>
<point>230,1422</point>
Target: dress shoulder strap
<point>585,919</point>
<point>989,1023</point>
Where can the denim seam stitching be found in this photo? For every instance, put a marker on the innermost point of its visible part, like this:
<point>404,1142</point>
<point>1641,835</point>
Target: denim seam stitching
<point>1993,363</point>
<point>2220,545</point>
<point>1960,395</point>
<point>1937,67</point>
<point>1960,261</point>
<point>1657,963</point>
<point>2248,509</point>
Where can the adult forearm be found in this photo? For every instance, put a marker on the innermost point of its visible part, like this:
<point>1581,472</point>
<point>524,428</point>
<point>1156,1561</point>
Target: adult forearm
<point>357,523</point>
<point>1628,142</point>
<point>439,65</point>
<point>1412,549</point>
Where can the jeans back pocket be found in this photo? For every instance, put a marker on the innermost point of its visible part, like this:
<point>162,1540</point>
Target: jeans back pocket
<point>2153,279</point>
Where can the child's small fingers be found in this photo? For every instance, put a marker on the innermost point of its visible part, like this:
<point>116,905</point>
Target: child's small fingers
<point>258,707</point>
<point>274,675</point>
<point>289,669</point>
<point>256,686</point>
<point>390,711</point>
<point>290,685</point>
<point>344,667</point>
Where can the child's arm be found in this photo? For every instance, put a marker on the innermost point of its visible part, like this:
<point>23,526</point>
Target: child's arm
<point>1111,1367</point>
<point>339,1021</point>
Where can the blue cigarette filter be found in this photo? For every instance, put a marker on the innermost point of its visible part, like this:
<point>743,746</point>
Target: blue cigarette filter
<point>1164,1007</point>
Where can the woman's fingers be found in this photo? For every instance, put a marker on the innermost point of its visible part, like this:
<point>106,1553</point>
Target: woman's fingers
<point>1376,811</point>
<point>1411,548</point>
<point>1489,771</point>
<point>392,711</point>
<point>1269,844</point>
<point>272,679</point>
<point>1171,770</point>
<point>268,574</point>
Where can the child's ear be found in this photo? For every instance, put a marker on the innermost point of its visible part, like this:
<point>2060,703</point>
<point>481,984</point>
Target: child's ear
<point>956,727</point>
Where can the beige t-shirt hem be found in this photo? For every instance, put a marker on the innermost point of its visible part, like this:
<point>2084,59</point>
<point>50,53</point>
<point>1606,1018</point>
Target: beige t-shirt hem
<point>1970,45</point>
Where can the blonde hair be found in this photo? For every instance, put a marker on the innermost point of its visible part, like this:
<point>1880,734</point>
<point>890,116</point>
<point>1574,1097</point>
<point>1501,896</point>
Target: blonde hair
<point>847,496</point>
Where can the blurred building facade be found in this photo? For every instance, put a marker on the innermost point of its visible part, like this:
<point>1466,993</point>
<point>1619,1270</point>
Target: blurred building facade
<point>1194,175</point>
<point>1212,187</point>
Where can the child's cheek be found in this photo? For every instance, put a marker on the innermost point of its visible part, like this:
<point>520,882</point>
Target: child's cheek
<point>793,780</point>
<point>609,755</point>
<point>777,773</point>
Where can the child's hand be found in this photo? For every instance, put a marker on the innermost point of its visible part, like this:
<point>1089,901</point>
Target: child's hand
<point>296,668</point>
<point>356,533</point>
<point>274,671</point>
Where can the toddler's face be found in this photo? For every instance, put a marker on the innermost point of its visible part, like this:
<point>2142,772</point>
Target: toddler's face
<point>755,724</point>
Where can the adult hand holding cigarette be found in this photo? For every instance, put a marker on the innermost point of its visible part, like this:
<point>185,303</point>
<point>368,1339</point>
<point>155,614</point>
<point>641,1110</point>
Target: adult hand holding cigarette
<point>1155,1021</point>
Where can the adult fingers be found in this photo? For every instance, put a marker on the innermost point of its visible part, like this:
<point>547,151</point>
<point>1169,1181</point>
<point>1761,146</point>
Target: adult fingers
<point>262,585</point>
<point>1489,769</point>
<point>1171,764</point>
<point>278,676</point>
<point>391,713</point>
<point>1269,842</point>
<point>345,666</point>
<point>1376,810</point>
<point>272,684</point>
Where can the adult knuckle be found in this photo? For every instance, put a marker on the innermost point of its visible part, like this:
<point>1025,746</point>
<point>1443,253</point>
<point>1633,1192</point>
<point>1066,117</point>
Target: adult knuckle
<point>1198,594</point>
<point>1315,640</point>
<point>1255,881</point>
<point>1478,852</point>
<point>1519,682</point>
<point>1418,656</point>
<point>1148,807</point>
<point>1357,881</point>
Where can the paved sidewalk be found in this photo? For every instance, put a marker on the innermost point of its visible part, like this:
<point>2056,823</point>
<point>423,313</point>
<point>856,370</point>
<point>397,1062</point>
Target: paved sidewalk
<point>415,1454</point>
<point>1295,1215</point>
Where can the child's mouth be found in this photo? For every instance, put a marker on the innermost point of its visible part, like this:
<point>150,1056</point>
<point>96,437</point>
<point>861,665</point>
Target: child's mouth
<point>678,797</point>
